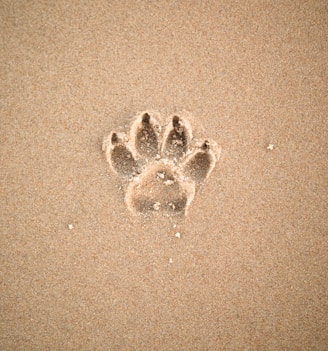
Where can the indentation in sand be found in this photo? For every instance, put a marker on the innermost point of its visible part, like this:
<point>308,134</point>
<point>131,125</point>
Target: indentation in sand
<point>162,170</point>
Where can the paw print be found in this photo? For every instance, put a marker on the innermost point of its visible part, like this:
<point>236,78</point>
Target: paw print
<point>162,166</point>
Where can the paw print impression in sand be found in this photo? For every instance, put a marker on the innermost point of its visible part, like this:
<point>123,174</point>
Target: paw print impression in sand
<point>162,167</point>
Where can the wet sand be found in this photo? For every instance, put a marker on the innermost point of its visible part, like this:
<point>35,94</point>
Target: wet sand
<point>248,269</point>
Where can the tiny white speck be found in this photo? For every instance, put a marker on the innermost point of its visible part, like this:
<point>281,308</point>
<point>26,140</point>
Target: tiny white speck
<point>157,206</point>
<point>170,260</point>
<point>169,182</point>
<point>70,226</point>
<point>270,147</point>
<point>174,225</point>
<point>178,235</point>
<point>172,205</point>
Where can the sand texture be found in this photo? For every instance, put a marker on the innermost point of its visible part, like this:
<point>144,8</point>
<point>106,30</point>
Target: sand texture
<point>233,256</point>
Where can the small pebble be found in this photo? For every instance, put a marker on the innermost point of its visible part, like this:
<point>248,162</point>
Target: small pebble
<point>178,235</point>
<point>270,147</point>
<point>70,226</point>
<point>170,260</point>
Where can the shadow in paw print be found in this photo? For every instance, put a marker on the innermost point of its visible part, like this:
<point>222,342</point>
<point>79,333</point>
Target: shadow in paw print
<point>159,189</point>
<point>120,157</point>
<point>200,164</point>
<point>177,138</point>
<point>161,177</point>
<point>145,136</point>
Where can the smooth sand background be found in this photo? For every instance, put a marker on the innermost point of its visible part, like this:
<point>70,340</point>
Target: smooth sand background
<point>250,269</point>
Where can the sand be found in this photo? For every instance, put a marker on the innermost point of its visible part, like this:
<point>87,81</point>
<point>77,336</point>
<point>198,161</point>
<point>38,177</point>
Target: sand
<point>248,270</point>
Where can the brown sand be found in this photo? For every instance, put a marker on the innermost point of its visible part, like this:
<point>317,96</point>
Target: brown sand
<point>249,271</point>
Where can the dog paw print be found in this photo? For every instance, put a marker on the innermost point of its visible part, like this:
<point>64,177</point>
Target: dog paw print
<point>162,167</point>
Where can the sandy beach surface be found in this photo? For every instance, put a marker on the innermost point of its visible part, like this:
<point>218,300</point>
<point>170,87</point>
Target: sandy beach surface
<point>246,269</point>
